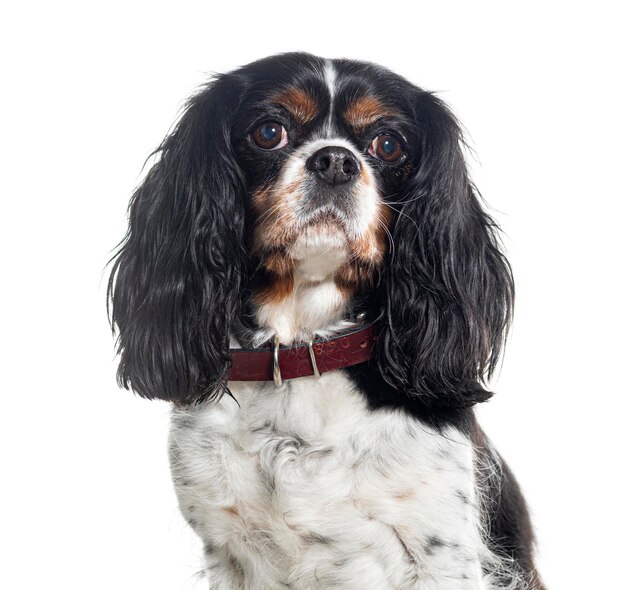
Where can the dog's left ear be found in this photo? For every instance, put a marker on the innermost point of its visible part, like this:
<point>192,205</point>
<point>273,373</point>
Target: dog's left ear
<point>447,289</point>
<point>176,282</point>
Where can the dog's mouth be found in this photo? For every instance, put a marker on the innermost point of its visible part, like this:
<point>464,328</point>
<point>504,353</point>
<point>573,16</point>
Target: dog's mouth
<point>320,205</point>
<point>326,220</point>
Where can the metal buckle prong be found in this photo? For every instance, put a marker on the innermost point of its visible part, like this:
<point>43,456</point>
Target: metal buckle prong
<point>316,371</point>
<point>278,378</point>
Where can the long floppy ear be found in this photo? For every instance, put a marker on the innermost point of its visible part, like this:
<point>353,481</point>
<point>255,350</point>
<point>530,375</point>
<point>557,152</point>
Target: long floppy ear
<point>447,288</point>
<point>176,280</point>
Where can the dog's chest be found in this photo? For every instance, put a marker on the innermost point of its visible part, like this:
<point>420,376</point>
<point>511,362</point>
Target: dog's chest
<point>304,487</point>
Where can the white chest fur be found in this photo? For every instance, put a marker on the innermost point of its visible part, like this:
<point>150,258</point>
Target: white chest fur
<point>304,487</point>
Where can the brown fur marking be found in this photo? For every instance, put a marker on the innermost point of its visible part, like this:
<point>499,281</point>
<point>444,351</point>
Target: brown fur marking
<point>373,244</point>
<point>276,291</point>
<point>260,198</point>
<point>300,104</point>
<point>273,226</point>
<point>366,110</point>
<point>279,263</point>
<point>366,255</point>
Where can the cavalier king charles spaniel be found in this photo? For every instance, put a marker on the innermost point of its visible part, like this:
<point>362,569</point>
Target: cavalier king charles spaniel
<point>310,277</point>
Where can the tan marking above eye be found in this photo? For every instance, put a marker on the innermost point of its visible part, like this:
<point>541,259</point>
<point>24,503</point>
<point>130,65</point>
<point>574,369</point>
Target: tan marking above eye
<point>366,110</point>
<point>300,104</point>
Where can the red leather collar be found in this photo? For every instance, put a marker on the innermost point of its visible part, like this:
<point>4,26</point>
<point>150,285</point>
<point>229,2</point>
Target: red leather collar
<point>257,364</point>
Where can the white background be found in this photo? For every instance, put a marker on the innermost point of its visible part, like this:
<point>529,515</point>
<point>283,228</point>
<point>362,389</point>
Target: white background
<point>89,91</point>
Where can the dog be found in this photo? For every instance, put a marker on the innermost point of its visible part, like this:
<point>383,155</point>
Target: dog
<point>312,280</point>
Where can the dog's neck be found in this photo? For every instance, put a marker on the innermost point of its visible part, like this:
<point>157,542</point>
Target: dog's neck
<point>312,302</point>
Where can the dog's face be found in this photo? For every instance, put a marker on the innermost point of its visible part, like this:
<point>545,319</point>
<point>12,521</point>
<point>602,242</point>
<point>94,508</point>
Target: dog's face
<point>322,148</point>
<point>295,170</point>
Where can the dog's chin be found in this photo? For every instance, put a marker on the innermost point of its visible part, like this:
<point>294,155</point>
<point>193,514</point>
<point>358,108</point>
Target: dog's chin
<point>319,250</point>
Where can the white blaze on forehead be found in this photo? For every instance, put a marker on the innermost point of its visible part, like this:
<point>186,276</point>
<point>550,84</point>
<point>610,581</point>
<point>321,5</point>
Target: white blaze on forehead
<point>366,192</point>
<point>330,78</point>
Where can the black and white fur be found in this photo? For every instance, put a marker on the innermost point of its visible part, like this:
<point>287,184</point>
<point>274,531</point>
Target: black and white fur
<point>376,476</point>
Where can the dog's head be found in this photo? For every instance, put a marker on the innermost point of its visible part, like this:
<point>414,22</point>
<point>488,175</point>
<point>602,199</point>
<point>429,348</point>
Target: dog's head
<point>292,171</point>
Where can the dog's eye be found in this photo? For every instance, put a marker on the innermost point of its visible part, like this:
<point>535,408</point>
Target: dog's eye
<point>386,147</point>
<point>270,136</point>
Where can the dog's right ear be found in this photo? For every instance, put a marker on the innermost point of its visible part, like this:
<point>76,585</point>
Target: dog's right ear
<point>176,280</point>
<point>448,288</point>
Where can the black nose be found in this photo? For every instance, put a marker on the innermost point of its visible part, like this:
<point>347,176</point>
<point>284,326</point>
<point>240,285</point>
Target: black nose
<point>334,165</point>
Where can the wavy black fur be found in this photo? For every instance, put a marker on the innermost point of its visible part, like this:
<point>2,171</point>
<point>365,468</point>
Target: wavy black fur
<point>176,282</point>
